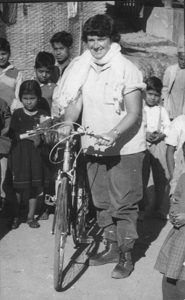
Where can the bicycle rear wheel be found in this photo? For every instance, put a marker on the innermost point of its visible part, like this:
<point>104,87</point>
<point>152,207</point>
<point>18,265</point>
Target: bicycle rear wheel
<point>61,231</point>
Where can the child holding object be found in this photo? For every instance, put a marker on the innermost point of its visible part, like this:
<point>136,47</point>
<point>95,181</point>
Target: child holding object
<point>157,125</point>
<point>26,161</point>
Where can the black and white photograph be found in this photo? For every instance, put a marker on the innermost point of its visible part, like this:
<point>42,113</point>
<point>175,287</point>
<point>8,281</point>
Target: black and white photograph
<point>92,150</point>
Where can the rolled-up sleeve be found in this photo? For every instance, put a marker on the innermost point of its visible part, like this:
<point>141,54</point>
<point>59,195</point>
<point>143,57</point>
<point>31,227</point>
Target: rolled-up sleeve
<point>133,79</point>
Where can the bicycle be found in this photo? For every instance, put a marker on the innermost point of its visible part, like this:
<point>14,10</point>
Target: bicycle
<point>71,197</point>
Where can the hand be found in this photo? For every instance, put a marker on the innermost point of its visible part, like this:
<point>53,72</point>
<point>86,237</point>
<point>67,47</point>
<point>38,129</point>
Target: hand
<point>50,137</point>
<point>45,121</point>
<point>64,131</point>
<point>157,137</point>
<point>106,139</point>
<point>36,140</point>
<point>150,136</point>
<point>179,219</point>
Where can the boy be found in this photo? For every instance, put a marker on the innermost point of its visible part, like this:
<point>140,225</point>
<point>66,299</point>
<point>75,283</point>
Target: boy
<point>157,124</point>
<point>44,65</point>
<point>61,43</point>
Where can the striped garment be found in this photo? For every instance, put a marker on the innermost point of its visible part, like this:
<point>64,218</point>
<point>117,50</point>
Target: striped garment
<point>171,258</point>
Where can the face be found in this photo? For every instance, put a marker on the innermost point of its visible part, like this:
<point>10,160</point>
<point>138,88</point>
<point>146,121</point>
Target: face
<point>43,74</point>
<point>29,101</point>
<point>61,52</point>
<point>98,46</point>
<point>152,97</point>
<point>181,60</point>
<point>4,57</point>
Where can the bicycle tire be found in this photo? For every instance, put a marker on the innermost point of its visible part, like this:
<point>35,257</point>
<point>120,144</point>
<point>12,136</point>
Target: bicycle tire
<point>61,229</point>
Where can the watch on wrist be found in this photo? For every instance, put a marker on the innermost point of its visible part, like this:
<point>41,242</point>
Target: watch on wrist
<point>117,133</point>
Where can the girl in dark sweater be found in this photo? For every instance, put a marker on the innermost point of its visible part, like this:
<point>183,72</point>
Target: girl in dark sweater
<point>26,158</point>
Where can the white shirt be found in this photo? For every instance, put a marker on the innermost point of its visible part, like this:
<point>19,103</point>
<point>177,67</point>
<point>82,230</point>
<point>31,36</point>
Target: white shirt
<point>175,138</point>
<point>99,110</point>
<point>157,119</point>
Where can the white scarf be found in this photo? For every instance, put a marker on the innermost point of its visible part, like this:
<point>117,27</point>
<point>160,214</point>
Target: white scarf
<point>76,73</point>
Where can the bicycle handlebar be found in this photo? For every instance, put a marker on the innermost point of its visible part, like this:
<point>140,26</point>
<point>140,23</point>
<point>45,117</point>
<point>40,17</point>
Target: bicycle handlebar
<point>81,131</point>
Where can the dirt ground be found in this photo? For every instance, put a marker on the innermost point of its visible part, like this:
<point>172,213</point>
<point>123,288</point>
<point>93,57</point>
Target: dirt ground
<point>26,264</point>
<point>26,255</point>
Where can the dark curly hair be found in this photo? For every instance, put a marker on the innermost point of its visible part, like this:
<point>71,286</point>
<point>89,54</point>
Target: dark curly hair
<point>154,83</point>
<point>44,59</point>
<point>4,45</point>
<point>63,37</point>
<point>100,25</point>
<point>30,87</point>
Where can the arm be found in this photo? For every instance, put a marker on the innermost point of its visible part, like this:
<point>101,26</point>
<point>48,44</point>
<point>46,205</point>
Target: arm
<point>177,213</point>
<point>16,102</point>
<point>130,123</point>
<point>170,159</point>
<point>72,113</point>
<point>7,118</point>
<point>19,80</point>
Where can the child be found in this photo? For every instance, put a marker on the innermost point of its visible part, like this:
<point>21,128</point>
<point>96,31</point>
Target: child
<point>4,146</point>
<point>44,65</point>
<point>10,77</point>
<point>61,43</point>
<point>171,258</point>
<point>26,161</point>
<point>157,124</point>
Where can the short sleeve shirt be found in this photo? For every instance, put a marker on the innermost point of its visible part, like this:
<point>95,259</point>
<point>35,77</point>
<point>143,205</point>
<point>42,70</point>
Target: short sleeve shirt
<point>99,110</point>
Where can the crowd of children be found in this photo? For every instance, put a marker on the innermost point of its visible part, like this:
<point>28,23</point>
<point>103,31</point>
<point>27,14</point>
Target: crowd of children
<point>24,165</point>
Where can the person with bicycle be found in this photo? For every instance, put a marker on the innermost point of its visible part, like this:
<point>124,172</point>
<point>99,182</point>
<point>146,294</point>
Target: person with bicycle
<point>106,88</point>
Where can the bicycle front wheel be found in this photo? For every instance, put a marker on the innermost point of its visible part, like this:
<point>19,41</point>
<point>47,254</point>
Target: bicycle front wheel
<point>61,228</point>
<point>80,210</point>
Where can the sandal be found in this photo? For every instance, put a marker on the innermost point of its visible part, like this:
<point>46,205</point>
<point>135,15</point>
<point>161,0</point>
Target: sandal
<point>15,223</point>
<point>33,223</point>
<point>44,215</point>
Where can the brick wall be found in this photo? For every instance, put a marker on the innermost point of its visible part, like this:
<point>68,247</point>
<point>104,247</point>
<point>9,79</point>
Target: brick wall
<point>37,22</point>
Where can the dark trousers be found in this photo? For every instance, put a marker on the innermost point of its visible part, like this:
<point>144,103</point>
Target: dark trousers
<point>116,186</point>
<point>152,163</point>
<point>173,289</point>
